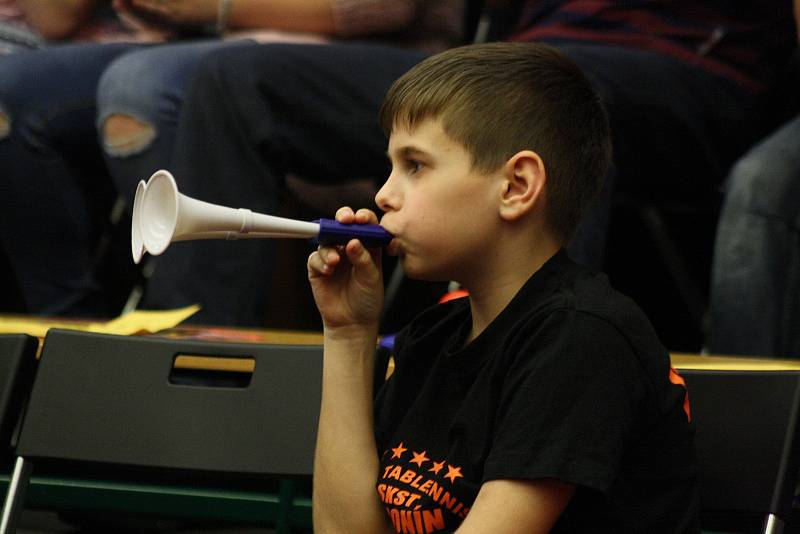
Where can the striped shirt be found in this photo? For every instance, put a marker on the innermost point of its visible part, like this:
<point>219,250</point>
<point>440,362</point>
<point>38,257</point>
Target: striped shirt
<point>745,41</point>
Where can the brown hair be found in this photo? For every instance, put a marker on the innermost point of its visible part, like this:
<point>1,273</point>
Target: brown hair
<point>499,98</point>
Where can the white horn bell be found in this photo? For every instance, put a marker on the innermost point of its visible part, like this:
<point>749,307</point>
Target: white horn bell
<point>162,215</point>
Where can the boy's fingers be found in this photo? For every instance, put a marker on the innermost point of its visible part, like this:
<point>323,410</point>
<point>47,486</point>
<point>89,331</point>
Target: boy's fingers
<point>355,252</point>
<point>324,260</point>
<point>316,266</point>
<point>366,216</point>
<point>345,215</point>
<point>330,255</point>
<point>359,256</point>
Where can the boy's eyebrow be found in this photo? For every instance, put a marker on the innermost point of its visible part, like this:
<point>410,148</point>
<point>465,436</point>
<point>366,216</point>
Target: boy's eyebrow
<point>409,151</point>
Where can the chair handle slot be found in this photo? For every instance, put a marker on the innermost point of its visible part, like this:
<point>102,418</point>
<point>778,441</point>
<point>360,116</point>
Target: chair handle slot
<point>212,371</point>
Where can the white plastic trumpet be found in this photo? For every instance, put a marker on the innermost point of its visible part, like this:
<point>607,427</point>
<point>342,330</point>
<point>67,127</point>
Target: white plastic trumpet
<point>162,215</point>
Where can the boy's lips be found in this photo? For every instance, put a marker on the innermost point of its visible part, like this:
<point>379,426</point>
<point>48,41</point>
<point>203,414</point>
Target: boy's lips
<point>393,248</point>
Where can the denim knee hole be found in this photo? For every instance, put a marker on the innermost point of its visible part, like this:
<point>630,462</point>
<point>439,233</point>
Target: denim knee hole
<point>5,125</point>
<point>124,135</point>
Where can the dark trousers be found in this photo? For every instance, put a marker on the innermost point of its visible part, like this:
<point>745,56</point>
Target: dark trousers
<point>258,112</point>
<point>249,118</point>
<point>55,194</point>
<point>676,131</point>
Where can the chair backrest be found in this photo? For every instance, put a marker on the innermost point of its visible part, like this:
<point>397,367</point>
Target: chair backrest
<point>17,366</point>
<point>147,402</point>
<point>747,440</point>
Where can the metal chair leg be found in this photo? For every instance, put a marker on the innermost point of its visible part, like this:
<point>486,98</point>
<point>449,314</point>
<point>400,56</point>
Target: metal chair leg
<point>15,497</point>
<point>773,525</point>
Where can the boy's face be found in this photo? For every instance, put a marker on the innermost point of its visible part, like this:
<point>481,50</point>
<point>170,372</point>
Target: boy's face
<point>441,211</point>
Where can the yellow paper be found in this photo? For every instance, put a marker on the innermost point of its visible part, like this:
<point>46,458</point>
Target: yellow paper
<point>129,323</point>
<point>150,321</point>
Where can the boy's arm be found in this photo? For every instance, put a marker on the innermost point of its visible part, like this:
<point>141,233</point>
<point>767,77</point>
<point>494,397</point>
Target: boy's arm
<point>56,19</point>
<point>348,290</point>
<point>346,460</point>
<point>517,506</point>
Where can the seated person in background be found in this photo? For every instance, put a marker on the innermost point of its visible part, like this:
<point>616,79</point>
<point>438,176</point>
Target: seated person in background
<point>676,78</point>
<point>755,278</point>
<point>543,401</point>
<point>55,191</point>
<point>755,284</point>
<point>44,117</point>
<point>138,135</point>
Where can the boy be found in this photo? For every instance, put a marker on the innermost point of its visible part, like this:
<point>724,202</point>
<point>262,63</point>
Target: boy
<point>543,401</point>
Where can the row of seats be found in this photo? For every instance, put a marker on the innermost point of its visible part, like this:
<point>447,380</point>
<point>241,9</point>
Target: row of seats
<point>234,416</point>
<point>164,412</point>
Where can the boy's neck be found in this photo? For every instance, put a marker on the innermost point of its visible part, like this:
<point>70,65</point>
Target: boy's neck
<point>490,294</point>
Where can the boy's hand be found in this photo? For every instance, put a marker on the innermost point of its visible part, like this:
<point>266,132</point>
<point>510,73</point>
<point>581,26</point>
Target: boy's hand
<point>347,281</point>
<point>147,27</point>
<point>179,11</point>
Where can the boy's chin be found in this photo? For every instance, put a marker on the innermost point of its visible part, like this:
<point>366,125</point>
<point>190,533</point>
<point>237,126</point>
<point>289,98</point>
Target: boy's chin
<point>417,270</point>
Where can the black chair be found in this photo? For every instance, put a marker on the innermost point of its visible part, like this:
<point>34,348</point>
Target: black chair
<point>165,410</point>
<point>17,367</point>
<point>747,445</point>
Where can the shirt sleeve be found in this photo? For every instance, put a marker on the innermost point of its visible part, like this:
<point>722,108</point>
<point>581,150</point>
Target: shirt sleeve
<point>568,403</point>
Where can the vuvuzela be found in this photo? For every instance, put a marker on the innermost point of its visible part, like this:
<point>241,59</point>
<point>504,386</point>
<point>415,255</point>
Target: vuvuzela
<point>162,215</point>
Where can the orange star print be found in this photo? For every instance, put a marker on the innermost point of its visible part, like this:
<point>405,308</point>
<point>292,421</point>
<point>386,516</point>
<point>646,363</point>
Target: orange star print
<point>453,473</point>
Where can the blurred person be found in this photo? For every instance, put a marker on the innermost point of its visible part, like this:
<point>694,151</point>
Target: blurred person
<point>55,191</point>
<point>683,83</point>
<point>755,282</point>
<point>755,278</point>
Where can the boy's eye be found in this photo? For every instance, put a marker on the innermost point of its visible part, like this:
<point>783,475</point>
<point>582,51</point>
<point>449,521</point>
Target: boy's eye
<point>414,166</point>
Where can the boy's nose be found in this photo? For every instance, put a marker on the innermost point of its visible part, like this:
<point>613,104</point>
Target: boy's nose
<point>384,197</point>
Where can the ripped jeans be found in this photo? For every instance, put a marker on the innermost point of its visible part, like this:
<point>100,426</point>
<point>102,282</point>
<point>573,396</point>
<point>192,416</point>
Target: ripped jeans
<point>145,90</point>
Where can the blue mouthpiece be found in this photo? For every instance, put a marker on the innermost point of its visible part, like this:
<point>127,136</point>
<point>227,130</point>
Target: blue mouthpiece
<point>335,233</point>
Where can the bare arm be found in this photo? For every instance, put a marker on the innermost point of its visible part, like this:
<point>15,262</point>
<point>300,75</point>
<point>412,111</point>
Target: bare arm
<point>348,291</point>
<point>291,15</point>
<point>797,18</point>
<point>311,16</point>
<point>517,507</point>
<point>314,16</point>
<point>346,460</point>
<point>56,19</point>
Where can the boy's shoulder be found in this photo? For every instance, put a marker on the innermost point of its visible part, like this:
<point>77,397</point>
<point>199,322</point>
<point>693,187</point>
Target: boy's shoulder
<point>565,288</point>
<point>585,306</point>
<point>562,294</point>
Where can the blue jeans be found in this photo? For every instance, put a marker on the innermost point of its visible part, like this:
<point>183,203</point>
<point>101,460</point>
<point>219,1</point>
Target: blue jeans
<point>55,190</point>
<point>676,129</point>
<point>755,285</point>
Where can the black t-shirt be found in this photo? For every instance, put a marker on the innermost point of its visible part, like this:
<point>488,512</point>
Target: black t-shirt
<point>568,382</point>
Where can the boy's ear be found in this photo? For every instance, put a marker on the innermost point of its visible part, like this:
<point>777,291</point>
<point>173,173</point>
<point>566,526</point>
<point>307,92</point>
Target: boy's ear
<point>523,185</point>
